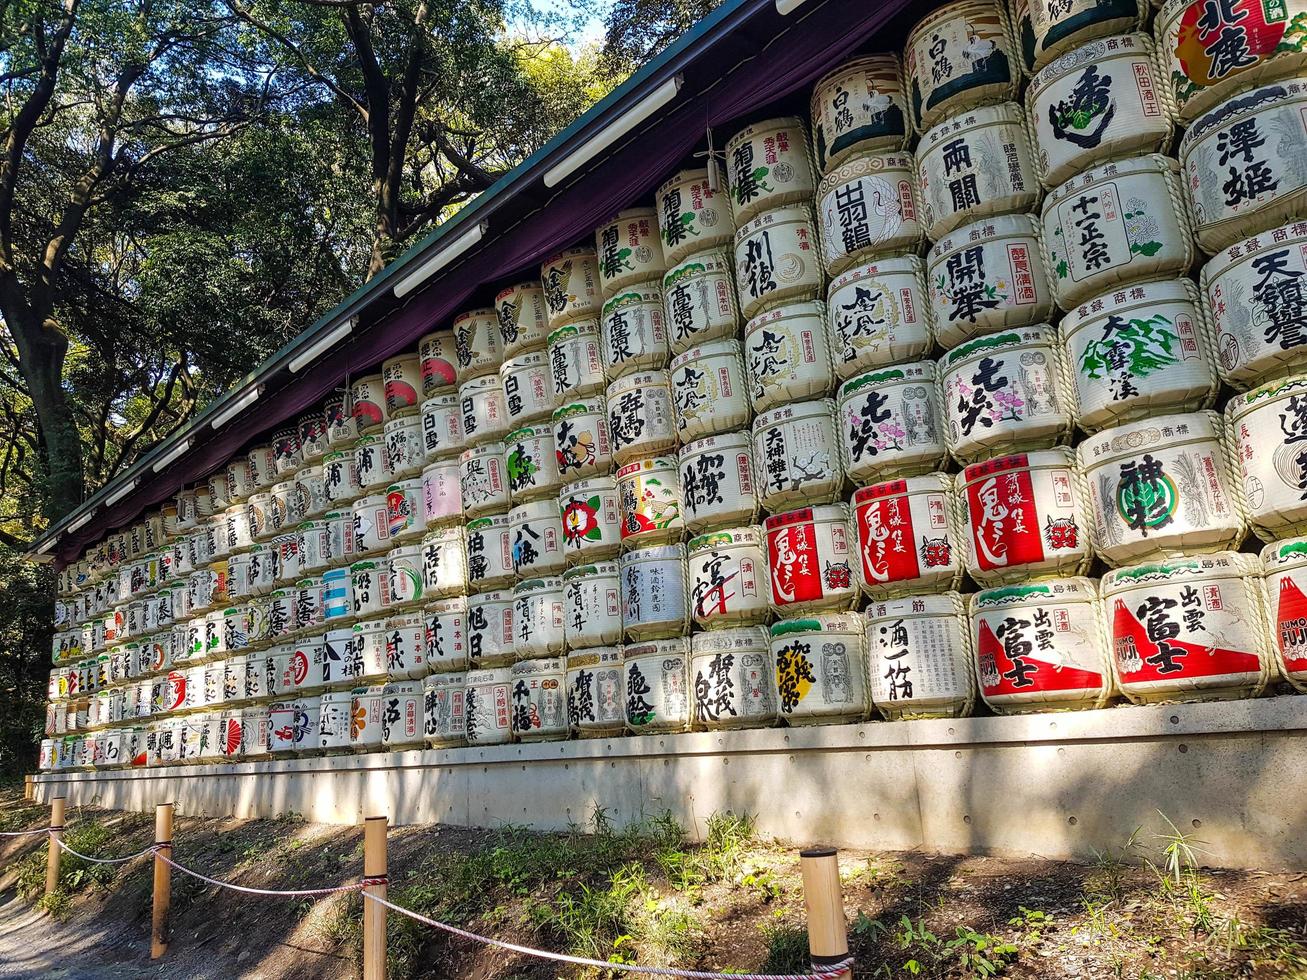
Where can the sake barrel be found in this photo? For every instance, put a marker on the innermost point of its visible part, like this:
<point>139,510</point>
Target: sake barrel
<point>340,477</point>
<point>402,715</point>
<point>372,463</point>
<point>654,592</point>
<point>440,569</point>
<point>444,718</point>
<point>1117,223</point>
<point>405,510</point>
<point>1055,28</point>
<point>311,491</point>
<point>699,300</point>
<point>592,612</point>
<point>692,215</point>
<point>876,315</point>
<point>583,443</point>
<point>308,661</point>
<point>717,484</point>
<point>788,355</point>
<point>1269,425</point>
<point>961,54</point>
<point>728,578</point>
<point>282,622</point>
<point>401,382</point>
<point>446,634</point>
<point>405,451</point>
<point>263,474</point>
<point>367,729</point>
<point>868,205</point>
<point>920,658</point>
<point>523,317</point>
<point>629,250</point>
<point>649,498</point>
<point>1285,595</point>
<point>590,519</point>
<point>576,362</point>
<point>1188,629</point>
<point>808,561</point>
<point>371,524</point>
<point>309,611</point>
<point>640,418</point>
<point>1006,392</point>
<point>777,260</point>
<point>1041,647</point>
<point>337,596</point>
<point>286,507</point>
<point>890,422</point>
<point>709,390</point>
<point>857,107</point>
<point>489,552</point>
<point>767,166</point>
<point>489,721</point>
<point>537,539</point>
<point>485,414</point>
<point>233,679</point>
<point>442,427</point>
<point>821,669</point>
<point>339,527</point>
<point>986,277</point>
<point>1163,486</point>
<point>539,699</point>
<point>532,463</point>
<point>482,480</point>
<point>259,509</point>
<point>634,331</point>
<point>404,568</point>
<point>595,684</point>
<point>442,493</point>
<point>490,628</point>
<point>342,427</point>
<point>437,360</point>
<point>908,536</point>
<point>796,455</point>
<point>368,398</point>
<point>733,679</point>
<point>338,664</point>
<point>312,430</point>
<point>286,454</point>
<point>571,284</point>
<point>239,530</point>
<point>334,710</point>
<point>528,388</point>
<point>366,658</point>
<point>235,628</point>
<point>657,686</point>
<point>478,344</point>
<point>1101,101</point>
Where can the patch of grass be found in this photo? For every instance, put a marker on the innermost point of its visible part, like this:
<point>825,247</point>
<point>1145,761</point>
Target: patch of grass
<point>90,837</point>
<point>787,948</point>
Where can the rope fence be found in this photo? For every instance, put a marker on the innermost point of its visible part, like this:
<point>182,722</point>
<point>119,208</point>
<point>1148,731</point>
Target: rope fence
<point>24,833</point>
<point>93,860</point>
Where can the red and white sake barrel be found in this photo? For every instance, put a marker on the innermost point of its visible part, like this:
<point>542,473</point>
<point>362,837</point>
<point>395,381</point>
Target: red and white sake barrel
<point>988,276</point>
<point>442,493</point>
<point>367,729</point>
<point>442,427</point>
<point>372,463</point>
<point>537,539</point>
<point>311,427</point>
<point>592,606</point>
<point>405,510</point>
<point>528,385</point>
<point>867,206</point>
<point>961,54</point>
<point>1119,222</point>
<point>654,592</point>
<point>1041,647</point>
<point>1048,31</point>
<point>859,106</point>
<point>693,214</point>
<point>778,260</point>
<point>796,455</point>
<point>641,422</point>
<point>909,536</point>
<point>444,718</point>
<point>340,477</point>
<point>489,552</point>
<point>595,691</point>
<point>368,398</point>
<point>1188,629</point>
<point>709,390</point>
<point>571,284</point>
<point>583,444</point>
<point>1005,393</point>
<point>490,636</point>
<point>733,679</point>
<point>446,634</point>
<point>439,569</point>
<point>973,165</point>
<point>523,317</point>
<point>334,710</point>
<point>404,568</point>
<point>767,166</point>
<point>486,707</point>
<point>808,554</point>
<point>919,657</point>
<point>437,360</point>
<point>371,525</point>
<point>1285,595</point>
<point>1268,428</point>
<point>539,699</point>
<point>717,486</point>
<point>401,715</point>
<point>311,488</point>
<point>699,300</point>
<point>657,686</point>
<point>649,500</point>
<point>483,481</point>
<point>877,315</point>
<point>478,345</point>
<point>788,355</point>
<point>590,519</point>
<point>728,578</point>
<point>576,361</point>
<point>890,422</point>
<point>401,382</point>
<point>821,669</point>
<point>367,652</point>
<point>532,463</point>
<point>342,427</point>
<point>1027,516</point>
<point>293,726</point>
<point>629,250</point>
<point>1164,487</point>
<point>484,410</point>
<point>405,451</point>
<point>308,662</point>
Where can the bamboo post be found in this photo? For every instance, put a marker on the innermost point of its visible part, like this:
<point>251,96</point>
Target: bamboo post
<point>162,880</point>
<point>374,915</point>
<point>56,834</point>
<point>29,787</point>
<point>828,937</point>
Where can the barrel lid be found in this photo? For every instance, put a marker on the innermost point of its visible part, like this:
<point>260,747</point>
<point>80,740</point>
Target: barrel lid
<point>1222,564</point>
<point>983,231</point>
<point>662,552</point>
<point>785,214</point>
<point>1061,590</point>
<point>819,623</point>
<point>596,570</point>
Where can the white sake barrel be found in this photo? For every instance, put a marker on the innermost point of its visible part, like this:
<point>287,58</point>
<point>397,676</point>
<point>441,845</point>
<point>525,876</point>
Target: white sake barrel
<point>206,589</point>
<point>1027,516</point>
<point>184,520</point>
<point>859,106</point>
<point>402,715</point>
<point>342,427</point>
<point>259,509</point>
<point>438,567</point>
<point>539,699</point>
<point>485,413</point>
<point>210,496</point>
<point>371,525</point>
<point>532,463</point>
<point>367,729</point>
<point>537,539</point>
<point>733,679</point>
<point>1006,392</point>
<point>366,663</point>
<point>444,718</point>
<point>777,260</point>
<point>973,165</point>
<point>340,477</point>
<point>634,331</point>
<point>368,398</point>
<point>796,455</point>
<point>233,679</point>
<point>908,536</point>
<point>528,388</point>
<point>727,572</point>
<point>315,545</point>
<point>590,519</point>
<point>311,490</point>
<point>1285,595</point>
<point>446,634</point>
<point>372,463</point>
<point>482,480</point>
<point>437,360</point>
<point>538,618</point>
<point>478,344</point>
<point>442,493</point>
<point>1041,647</point>
<point>262,462</point>
<point>490,638</point>
<point>334,709</point>
<point>988,276</point>
<point>595,685</point>
<point>1117,223</point>
<point>699,300</point>
<point>709,392</point>
<point>657,686</point>
<point>235,628</point>
<point>1269,429</point>
<point>489,552</point>
<point>239,534</point>
<point>576,361</point>
<point>571,284</point>
<point>808,561</point>
<point>1047,30</point>
<point>340,533</point>
<point>582,439</point>
<point>890,422</point>
<point>641,422</point>
<point>877,315</point>
<point>767,166</point>
<point>1188,629</point>
<point>1162,487</point>
<point>919,657</point>
<point>821,669</point>
<point>788,355</point>
<point>961,54</point>
<point>654,592</point>
<point>489,721</point>
<point>693,215</point>
<point>404,567</point>
<point>287,456</point>
<point>442,427</point>
<point>867,206</point>
<point>337,596</point>
<point>309,592</point>
<point>287,510</point>
<point>592,612</point>
<point>405,451</point>
<point>311,427</point>
<point>281,621</point>
<point>308,664</point>
<point>337,663</point>
<point>401,381</point>
<point>629,250</point>
<point>240,584</point>
<point>717,484</point>
<point>649,497</point>
<point>405,510</point>
<point>523,317</point>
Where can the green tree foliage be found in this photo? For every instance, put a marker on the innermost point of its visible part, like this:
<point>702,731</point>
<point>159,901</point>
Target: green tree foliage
<point>637,30</point>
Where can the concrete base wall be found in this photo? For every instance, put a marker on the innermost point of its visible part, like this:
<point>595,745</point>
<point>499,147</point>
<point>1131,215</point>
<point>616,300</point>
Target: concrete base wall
<point>1232,774</point>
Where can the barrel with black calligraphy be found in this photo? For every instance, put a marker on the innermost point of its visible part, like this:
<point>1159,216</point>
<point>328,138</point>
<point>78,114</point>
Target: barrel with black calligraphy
<point>441,569</point>
<point>366,660</point>
<point>654,592</point>
<point>583,444</point>
<point>523,317</point>
<point>371,525</point>
<point>767,166</point>
<point>908,535</point>
<point>634,331</point>
<point>788,355</point>
<point>442,493</point>
<point>372,463</point>
<point>405,450</point>
<point>728,578</point>
<point>796,455</point>
<point>877,314</point>
<point>890,422</point>
<point>641,422</point>
<point>693,214</point>
<point>571,283</point>
<point>485,705</point>
<point>311,489</point>
<point>821,669</point>
<point>596,691</point>
<point>532,463</point>
<point>576,361</point>
<point>538,618</point>
<point>859,106</point>
<point>538,698</point>
<point>733,679</point>
<point>483,481</point>
<point>717,485</point>
<point>405,510</point>
<point>709,390</point>
<point>777,259</point>
<point>478,344</point>
<point>340,477</point>
<point>443,710</point>
<point>808,557</point>
<point>402,715</point>
<point>1045,30</point>
<point>961,54</point>
<point>657,686</point>
<point>1285,597</point>
<point>592,609</point>
<point>868,205</point>
<point>629,250</point>
<point>528,388</point>
<point>1269,429</point>
<point>334,709</point>
<point>437,360</point>
<point>537,539</point>
<point>442,427</point>
<point>484,410</point>
<point>919,657</point>
<point>446,635</point>
<point>489,552</point>
<point>699,300</point>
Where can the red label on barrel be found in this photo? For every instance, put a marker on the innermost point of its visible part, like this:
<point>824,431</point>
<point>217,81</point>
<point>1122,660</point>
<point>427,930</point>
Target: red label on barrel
<point>792,558</point>
<point>1004,523</point>
<point>1014,657</point>
<point>1147,645</point>
<point>886,541</point>
<point>1291,625</point>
